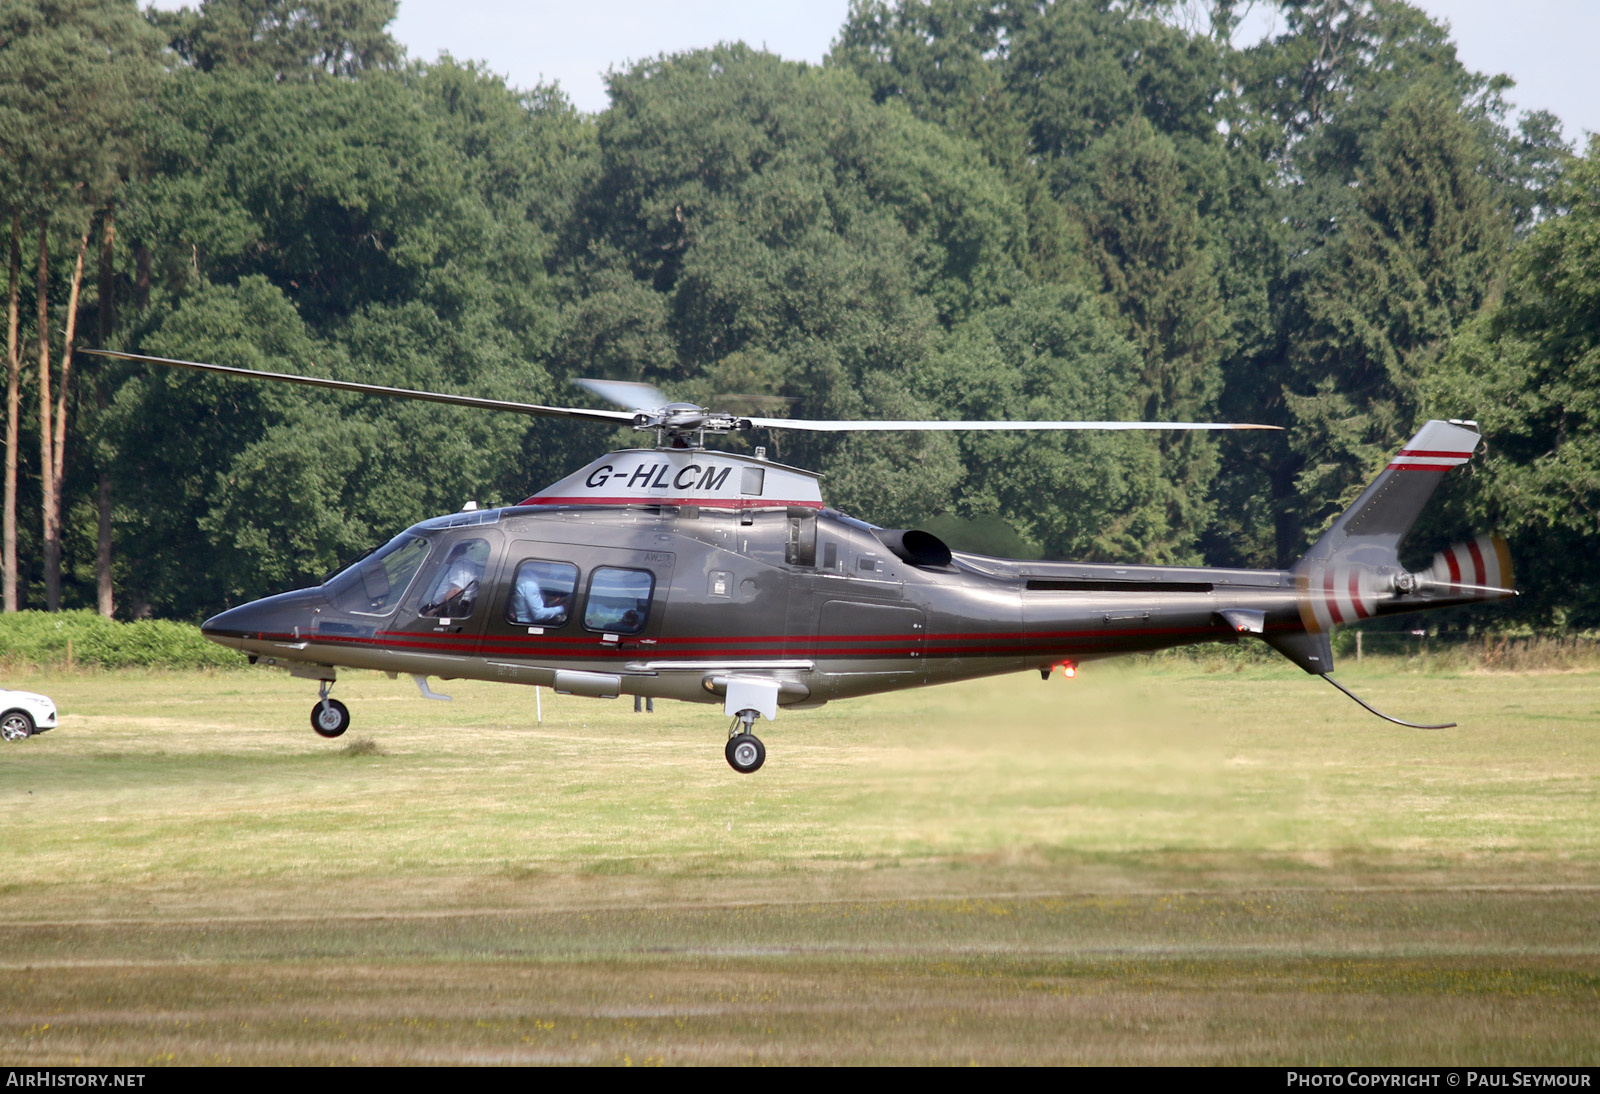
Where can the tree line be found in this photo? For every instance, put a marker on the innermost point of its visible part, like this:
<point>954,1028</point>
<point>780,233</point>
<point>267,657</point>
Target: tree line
<point>1012,209</point>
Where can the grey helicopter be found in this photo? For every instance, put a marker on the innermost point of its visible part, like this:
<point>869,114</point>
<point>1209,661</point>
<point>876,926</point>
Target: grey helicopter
<point>675,571</point>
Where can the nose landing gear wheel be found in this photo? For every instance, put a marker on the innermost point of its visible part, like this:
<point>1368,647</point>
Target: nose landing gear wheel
<point>745,753</point>
<point>330,718</point>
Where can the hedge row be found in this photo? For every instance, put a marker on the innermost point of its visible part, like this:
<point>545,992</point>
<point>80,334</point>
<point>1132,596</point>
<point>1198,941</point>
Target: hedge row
<point>60,639</point>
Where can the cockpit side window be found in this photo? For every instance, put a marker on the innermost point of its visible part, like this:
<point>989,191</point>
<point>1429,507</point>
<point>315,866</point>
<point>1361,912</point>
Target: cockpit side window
<point>453,592</point>
<point>541,594</point>
<point>374,585</point>
<point>619,600</point>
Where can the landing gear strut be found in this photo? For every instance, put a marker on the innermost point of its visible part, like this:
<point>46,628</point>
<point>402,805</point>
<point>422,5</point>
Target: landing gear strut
<point>329,717</point>
<point>745,751</point>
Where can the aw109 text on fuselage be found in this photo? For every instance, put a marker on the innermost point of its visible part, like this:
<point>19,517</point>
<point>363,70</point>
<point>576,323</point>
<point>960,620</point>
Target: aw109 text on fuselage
<point>681,573</point>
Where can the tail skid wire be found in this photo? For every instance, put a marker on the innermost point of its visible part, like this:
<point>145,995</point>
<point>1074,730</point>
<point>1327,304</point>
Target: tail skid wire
<point>1381,714</point>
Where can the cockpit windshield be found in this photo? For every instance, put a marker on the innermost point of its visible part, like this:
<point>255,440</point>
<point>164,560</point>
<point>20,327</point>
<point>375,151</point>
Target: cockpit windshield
<point>375,585</point>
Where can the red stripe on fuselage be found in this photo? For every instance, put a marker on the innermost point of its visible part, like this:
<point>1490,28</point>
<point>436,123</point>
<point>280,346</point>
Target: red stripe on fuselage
<point>1012,644</point>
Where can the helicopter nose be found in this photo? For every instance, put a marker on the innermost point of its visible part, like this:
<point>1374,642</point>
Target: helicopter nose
<point>282,618</point>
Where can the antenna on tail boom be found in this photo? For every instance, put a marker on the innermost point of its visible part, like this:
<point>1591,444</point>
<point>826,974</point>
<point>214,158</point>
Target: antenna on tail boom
<point>1381,714</point>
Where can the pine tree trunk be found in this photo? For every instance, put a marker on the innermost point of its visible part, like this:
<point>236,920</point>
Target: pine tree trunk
<point>104,599</point>
<point>58,462</point>
<point>8,549</point>
<point>141,277</point>
<point>52,542</point>
<point>55,461</point>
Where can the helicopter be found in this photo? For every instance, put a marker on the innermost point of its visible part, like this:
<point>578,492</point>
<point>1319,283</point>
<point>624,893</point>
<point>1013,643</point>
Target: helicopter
<point>677,571</point>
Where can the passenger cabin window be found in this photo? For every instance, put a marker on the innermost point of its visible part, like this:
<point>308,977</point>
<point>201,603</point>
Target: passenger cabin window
<point>619,600</point>
<point>374,585</point>
<point>541,593</point>
<point>454,592</point>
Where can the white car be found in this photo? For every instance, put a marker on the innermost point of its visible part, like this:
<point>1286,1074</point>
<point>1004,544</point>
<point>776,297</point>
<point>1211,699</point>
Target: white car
<point>24,713</point>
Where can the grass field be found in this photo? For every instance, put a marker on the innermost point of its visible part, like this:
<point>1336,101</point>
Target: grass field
<point>1150,863</point>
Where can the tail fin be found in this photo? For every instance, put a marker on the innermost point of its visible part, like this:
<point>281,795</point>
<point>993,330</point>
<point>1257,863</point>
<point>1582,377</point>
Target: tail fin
<point>1354,570</point>
<point>1370,531</point>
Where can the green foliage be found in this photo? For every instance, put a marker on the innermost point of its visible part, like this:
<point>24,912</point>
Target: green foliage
<point>286,39</point>
<point>393,229</point>
<point>756,221</point>
<point>1145,239</point>
<point>1530,373</point>
<point>339,192</point>
<point>1422,249</point>
<point>1052,354</point>
<point>72,76</point>
<point>57,639</point>
<point>174,429</point>
<point>770,155</point>
<point>1079,69</point>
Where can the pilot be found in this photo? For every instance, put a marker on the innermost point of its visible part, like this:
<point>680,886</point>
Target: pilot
<point>457,588</point>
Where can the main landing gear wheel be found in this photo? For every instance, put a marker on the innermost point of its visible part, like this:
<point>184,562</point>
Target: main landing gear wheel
<point>19,724</point>
<point>330,718</point>
<point>745,753</point>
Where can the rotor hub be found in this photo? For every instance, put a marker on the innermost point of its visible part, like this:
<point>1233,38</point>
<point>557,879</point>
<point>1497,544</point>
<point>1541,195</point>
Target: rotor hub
<point>680,421</point>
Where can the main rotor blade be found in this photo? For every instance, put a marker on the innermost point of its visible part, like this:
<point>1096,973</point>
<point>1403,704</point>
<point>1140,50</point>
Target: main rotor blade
<point>846,426</point>
<point>612,417</point>
<point>625,393</point>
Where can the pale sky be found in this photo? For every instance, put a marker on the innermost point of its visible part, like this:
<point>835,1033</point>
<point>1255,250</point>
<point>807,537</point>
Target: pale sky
<point>1547,46</point>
